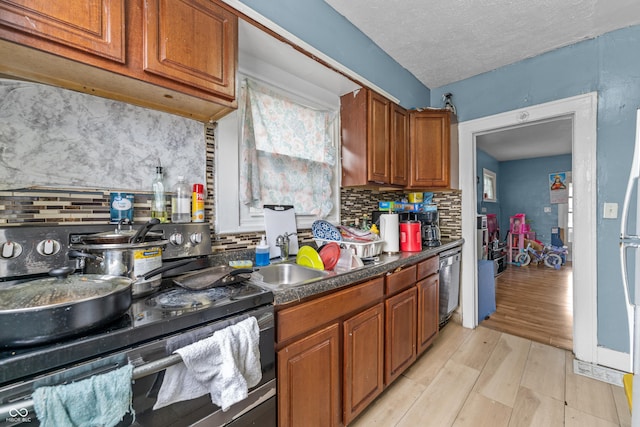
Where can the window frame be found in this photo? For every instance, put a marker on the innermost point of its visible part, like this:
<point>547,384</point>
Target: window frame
<point>233,217</point>
<point>490,175</point>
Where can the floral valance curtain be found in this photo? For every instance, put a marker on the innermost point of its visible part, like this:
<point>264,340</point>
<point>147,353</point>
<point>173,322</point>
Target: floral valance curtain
<point>287,154</point>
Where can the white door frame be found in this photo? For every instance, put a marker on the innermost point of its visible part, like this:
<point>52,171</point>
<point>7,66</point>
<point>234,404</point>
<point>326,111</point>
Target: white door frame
<point>583,109</point>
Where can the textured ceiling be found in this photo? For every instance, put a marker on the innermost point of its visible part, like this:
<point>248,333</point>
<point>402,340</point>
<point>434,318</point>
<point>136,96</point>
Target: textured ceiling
<point>441,42</point>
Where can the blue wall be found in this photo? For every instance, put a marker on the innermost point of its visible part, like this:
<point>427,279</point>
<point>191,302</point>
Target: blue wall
<point>319,25</point>
<point>524,188</point>
<point>610,65</point>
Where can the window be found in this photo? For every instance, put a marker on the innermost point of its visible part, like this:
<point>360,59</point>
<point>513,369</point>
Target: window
<point>489,186</point>
<point>277,148</point>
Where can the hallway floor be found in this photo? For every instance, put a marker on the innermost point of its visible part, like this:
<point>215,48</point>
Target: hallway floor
<point>484,377</point>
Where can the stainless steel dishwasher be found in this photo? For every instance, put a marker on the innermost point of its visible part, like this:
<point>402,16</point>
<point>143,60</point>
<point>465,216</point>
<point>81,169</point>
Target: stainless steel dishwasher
<point>449,283</point>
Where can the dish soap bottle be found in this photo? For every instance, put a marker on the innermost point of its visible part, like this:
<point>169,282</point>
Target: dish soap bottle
<point>159,203</point>
<point>181,202</point>
<point>262,252</point>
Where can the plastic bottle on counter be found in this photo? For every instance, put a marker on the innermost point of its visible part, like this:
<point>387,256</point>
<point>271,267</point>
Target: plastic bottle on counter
<point>181,202</point>
<point>262,252</point>
<point>197,203</point>
<point>159,202</point>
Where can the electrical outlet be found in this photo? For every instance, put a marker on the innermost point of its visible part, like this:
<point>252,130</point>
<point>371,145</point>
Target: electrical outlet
<point>547,209</point>
<point>484,210</point>
<point>610,211</point>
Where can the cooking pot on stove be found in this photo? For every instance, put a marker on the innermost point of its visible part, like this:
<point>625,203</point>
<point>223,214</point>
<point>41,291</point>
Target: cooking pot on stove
<point>129,253</point>
<point>45,310</point>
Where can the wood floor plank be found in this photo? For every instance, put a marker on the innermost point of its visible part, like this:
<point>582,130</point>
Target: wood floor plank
<point>480,411</point>
<point>575,418</point>
<point>588,395</point>
<point>425,369</point>
<point>535,302</point>
<point>534,409</point>
<point>475,351</point>
<point>440,403</point>
<point>622,406</point>
<point>500,378</point>
<point>392,405</point>
<point>545,371</point>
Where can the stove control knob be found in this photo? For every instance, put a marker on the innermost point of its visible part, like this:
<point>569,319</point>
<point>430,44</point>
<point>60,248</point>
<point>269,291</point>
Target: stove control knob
<point>48,247</point>
<point>196,238</point>
<point>176,239</point>
<point>10,250</point>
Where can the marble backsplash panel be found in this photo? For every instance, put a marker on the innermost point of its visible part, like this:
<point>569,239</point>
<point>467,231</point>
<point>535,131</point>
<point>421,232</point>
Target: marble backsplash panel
<point>59,138</point>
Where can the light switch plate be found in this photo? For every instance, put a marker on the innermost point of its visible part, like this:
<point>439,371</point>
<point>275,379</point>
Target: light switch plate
<point>610,210</point>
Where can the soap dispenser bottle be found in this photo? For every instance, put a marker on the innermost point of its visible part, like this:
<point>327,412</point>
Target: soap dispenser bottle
<point>262,252</point>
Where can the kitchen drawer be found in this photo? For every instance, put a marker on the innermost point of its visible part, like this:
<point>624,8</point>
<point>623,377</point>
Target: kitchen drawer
<point>320,311</point>
<point>428,267</point>
<point>400,280</point>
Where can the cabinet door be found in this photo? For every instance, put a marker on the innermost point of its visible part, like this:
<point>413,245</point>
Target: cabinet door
<point>430,143</point>
<point>96,27</point>
<point>400,333</point>
<point>309,382</point>
<point>193,42</point>
<point>378,149</point>
<point>363,360</point>
<point>427,311</point>
<point>399,146</point>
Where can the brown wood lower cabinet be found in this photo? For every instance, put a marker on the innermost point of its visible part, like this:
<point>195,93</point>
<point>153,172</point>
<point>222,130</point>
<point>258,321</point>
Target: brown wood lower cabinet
<point>400,333</point>
<point>363,360</point>
<point>309,380</point>
<point>337,352</point>
<point>427,311</point>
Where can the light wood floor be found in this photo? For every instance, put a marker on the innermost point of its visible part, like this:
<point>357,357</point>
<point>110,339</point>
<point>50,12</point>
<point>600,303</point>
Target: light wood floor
<point>484,377</point>
<point>535,302</point>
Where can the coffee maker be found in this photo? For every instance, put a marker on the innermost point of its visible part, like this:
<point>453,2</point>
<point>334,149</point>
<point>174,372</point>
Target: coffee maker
<point>430,228</point>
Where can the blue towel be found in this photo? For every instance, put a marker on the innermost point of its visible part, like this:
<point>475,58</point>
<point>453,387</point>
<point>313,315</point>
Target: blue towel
<point>99,401</point>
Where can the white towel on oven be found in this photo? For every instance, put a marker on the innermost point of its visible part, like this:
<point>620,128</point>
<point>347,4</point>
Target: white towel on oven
<point>225,365</point>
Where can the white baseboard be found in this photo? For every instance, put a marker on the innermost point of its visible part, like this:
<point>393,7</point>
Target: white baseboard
<point>601,373</point>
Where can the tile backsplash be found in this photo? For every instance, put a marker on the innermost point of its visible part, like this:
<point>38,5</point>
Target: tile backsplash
<point>81,195</point>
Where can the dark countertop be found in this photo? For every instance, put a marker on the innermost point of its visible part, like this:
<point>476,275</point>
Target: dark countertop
<point>386,263</point>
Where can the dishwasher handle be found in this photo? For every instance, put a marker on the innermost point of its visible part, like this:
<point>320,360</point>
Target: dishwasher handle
<point>450,258</point>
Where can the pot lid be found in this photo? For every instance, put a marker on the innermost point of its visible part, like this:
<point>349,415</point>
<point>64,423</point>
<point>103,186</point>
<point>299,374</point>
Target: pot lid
<point>120,235</point>
<point>59,291</point>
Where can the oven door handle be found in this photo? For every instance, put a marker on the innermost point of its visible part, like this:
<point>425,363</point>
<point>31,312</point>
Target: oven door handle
<point>265,321</point>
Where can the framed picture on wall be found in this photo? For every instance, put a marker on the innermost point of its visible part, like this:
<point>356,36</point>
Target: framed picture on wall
<point>558,186</point>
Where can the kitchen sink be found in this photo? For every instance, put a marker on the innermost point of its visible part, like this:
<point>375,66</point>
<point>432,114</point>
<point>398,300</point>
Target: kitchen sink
<point>286,274</point>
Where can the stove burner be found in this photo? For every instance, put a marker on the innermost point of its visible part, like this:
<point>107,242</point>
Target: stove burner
<point>184,299</point>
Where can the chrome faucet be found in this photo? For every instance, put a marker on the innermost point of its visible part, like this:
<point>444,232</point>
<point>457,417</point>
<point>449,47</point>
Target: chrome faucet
<point>282,241</point>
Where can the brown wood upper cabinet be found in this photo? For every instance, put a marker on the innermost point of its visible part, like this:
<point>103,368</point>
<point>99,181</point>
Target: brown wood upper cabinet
<point>433,148</point>
<point>95,27</point>
<point>193,42</point>
<point>374,140</point>
<point>174,56</point>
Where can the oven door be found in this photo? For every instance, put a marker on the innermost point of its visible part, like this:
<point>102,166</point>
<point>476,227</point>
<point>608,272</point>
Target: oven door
<point>150,361</point>
<point>200,411</point>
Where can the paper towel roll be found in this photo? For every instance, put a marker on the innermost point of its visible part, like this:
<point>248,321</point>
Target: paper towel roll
<point>389,231</point>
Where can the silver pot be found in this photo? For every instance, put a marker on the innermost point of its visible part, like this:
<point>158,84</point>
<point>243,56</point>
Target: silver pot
<point>132,260</point>
<point>45,310</point>
<point>127,253</point>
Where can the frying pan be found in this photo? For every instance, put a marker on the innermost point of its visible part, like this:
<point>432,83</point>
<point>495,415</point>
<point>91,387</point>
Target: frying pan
<point>212,277</point>
<point>45,310</point>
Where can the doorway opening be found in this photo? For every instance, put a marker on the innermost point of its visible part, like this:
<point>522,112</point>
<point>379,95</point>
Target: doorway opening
<point>583,110</point>
<point>532,164</point>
